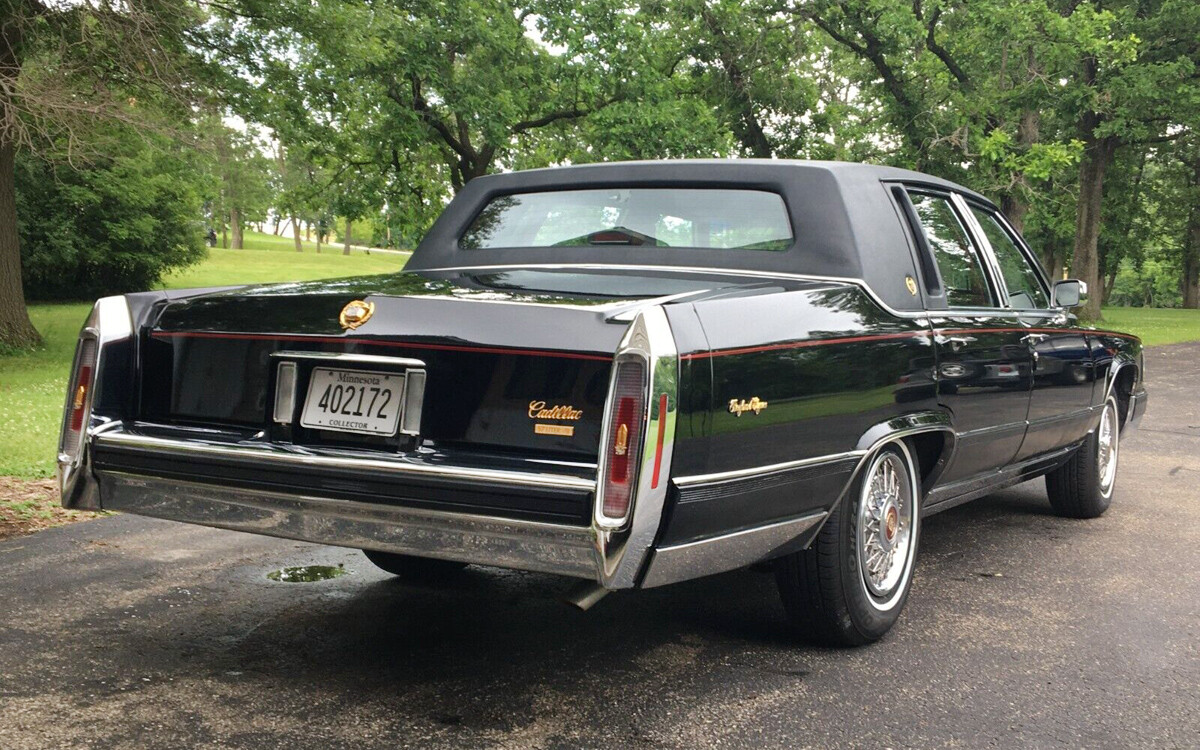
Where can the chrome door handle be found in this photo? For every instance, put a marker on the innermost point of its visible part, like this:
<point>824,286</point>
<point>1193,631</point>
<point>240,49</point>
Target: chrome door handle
<point>1034,339</point>
<point>957,342</point>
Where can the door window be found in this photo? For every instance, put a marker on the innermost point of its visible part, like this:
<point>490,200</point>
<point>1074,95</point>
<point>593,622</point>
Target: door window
<point>1025,290</point>
<point>957,259</point>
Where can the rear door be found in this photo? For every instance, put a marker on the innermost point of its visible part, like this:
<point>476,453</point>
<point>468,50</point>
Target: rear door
<point>1059,408</point>
<point>984,364</point>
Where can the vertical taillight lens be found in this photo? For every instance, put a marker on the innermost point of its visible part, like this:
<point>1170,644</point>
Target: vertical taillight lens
<point>624,439</point>
<point>79,396</point>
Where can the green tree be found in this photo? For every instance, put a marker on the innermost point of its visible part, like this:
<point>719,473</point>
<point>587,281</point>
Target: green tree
<point>64,67</point>
<point>113,226</point>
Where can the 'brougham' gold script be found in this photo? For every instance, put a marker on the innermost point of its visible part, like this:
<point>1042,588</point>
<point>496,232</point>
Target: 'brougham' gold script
<point>738,407</point>
<point>538,410</point>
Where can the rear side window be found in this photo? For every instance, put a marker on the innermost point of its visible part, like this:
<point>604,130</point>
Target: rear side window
<point>957,259</point>
<point>1025,290</point>
<point>643,217</point>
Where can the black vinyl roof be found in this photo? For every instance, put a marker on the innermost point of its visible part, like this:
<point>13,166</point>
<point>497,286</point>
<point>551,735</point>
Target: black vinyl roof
<point>844,218</point>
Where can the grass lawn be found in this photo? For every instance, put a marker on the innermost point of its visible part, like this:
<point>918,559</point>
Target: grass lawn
<point>1154,326</point>
<point>33,385</point>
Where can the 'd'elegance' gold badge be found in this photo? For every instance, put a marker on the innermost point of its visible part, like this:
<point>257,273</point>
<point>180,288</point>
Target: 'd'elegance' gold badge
<point>738,407</point>
<point>911,283</point>
<point>356,313</point>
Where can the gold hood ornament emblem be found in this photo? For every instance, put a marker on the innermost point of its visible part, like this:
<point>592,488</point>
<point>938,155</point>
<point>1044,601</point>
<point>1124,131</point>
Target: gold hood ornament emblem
<point>356,313</point>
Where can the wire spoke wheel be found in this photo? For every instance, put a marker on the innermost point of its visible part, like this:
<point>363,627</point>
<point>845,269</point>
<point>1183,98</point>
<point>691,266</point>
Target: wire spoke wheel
<point>1107,446</point>
<point>886,527</point>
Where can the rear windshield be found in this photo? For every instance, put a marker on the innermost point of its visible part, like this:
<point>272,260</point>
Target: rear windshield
<point>655,217</point>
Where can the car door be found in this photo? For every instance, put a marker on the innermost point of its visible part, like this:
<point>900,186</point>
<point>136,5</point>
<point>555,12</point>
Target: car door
<point>984,364</point>
<point>1063,371</point>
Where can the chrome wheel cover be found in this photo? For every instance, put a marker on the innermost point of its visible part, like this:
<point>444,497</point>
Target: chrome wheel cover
<point>887,527</point>
<point>1107,444</point>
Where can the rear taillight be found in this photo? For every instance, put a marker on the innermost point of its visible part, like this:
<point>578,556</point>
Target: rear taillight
<point>625,430</point>
<point>79,396</point>
<point>109,324</point>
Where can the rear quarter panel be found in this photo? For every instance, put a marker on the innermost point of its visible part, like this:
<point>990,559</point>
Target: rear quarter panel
<point>829,364</point>
<point>1111,352</point>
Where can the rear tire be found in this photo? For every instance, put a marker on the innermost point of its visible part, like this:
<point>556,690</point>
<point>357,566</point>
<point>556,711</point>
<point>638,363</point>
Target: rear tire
<point>849,586</point>
<point>1083,486</point>
<point>414,569</point>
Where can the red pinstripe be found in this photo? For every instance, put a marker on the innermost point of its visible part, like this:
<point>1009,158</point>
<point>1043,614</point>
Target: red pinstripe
<point>887,336</point>
<point>373,342</point>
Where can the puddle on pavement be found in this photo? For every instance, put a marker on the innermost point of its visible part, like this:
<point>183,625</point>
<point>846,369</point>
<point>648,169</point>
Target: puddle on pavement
<point>307,573</point>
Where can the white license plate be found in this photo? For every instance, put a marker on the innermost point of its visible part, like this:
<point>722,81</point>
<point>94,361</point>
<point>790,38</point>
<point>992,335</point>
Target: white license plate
<point>353,401</point>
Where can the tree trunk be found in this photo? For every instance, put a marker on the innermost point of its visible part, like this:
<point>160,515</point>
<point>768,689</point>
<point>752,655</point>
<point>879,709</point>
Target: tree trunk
<point>318,240</point>
<point>235,223</point>
<point>1109,283</point>
<point>1013,203</point>
<point>1191,248</point>
<point>15,328</point>
<point>224,235</point>
<point>308,231</point>
<point>346,247</point>
<point>1085,265</point>
<point>296,235</point>
<point>278,221</point>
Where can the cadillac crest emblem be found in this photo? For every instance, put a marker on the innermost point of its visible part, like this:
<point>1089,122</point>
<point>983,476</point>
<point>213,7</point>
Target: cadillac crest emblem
<point>356,313</point>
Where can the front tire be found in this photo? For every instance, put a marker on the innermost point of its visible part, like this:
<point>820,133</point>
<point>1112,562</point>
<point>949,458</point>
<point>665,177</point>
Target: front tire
<point>414,569</point>
<point>1083,486</point>
<point>849,586</point>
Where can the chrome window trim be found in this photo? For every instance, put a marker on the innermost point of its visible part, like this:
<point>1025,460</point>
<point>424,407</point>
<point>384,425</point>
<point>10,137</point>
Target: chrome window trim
<point>866,288</point>
<point>1030,256</point>
<point>986,254</point>
<point>342,459</point>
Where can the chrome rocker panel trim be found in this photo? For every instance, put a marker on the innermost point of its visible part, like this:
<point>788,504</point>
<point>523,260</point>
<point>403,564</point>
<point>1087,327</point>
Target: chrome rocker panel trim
<point>727,552</point>
<point>485,540</point>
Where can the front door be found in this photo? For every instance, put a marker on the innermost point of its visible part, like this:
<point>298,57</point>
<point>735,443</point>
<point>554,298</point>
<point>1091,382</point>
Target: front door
<point>984,363</point>
<point>1063,372</point>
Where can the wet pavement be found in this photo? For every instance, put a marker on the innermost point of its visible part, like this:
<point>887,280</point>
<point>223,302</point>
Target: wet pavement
<point>1023,629</point>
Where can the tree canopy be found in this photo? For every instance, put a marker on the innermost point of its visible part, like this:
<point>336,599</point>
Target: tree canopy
<point>1079,118</point>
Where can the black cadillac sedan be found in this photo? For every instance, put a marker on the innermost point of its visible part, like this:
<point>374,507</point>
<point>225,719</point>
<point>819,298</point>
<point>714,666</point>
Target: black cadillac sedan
<point>630,374</point>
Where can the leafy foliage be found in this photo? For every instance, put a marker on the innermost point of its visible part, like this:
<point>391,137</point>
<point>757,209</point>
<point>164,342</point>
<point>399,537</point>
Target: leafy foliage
<point>114,226</point>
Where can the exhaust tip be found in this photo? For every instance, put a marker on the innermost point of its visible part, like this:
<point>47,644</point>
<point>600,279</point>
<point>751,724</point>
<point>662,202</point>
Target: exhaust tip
<point>585,594</point>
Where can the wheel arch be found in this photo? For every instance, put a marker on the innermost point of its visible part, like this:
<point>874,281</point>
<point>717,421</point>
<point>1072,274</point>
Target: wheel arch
<point>1123,380</point>
<point>930,436</point>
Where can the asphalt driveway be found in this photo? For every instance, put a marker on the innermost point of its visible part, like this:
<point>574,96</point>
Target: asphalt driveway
<point>1023,630</point>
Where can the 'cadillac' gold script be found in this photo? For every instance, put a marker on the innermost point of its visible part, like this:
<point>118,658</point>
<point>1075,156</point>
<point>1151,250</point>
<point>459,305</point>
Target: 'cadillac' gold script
<point>738,407</point>
<point>539,410</point>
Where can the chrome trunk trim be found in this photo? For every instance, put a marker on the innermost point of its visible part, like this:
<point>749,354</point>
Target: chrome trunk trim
<point>347,357</point>
<point>342,459</point>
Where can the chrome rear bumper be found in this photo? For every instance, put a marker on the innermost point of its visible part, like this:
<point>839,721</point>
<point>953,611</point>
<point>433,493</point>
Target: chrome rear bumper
<point>527,545</point>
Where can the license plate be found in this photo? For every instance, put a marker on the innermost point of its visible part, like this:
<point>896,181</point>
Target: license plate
<point>359,401</point>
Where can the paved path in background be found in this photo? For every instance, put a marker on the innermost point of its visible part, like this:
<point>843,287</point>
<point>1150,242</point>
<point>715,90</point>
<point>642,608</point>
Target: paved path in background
<point>1023,630</point>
